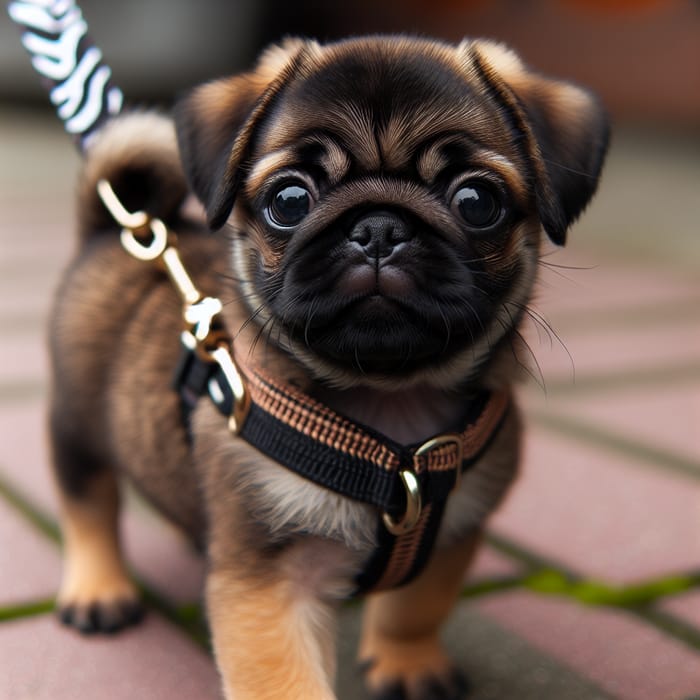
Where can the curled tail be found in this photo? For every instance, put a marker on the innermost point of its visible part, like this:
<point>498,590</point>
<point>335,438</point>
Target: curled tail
<point>137,153</point>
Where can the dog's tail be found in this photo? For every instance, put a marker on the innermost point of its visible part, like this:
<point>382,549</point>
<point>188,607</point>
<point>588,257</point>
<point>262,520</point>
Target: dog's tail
<point>137,153</point>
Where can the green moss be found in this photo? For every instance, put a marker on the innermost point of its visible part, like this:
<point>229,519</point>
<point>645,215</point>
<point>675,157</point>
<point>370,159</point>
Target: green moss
<point>594,592</point>
<point>15,612</point>
<point>647,455</point>
<point>29,510</point>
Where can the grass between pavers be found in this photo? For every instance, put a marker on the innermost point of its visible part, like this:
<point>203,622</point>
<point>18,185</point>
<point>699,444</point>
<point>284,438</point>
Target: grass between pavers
<point>592,434</point>
<point>605,382</point>
<point>22,391</point>
<point>543,576</point>
<point>39,607</point>
<point>546,577</point>
<point>642,378</point>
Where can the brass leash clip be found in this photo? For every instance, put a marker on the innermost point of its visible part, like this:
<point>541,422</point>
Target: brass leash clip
<point>203,334</point>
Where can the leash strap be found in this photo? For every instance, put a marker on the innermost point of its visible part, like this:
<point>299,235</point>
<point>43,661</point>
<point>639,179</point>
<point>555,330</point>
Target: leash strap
<point>70,65</point>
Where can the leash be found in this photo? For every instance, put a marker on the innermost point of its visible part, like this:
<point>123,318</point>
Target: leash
<point>408,485</point>
<point>71,67</point>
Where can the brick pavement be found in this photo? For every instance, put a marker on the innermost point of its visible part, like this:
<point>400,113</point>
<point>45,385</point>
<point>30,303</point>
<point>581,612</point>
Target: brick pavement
<point>589,586</point>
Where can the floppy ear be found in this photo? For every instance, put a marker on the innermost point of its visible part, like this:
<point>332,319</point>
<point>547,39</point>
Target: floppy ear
<point>566,134</point>
<point>216,123</point>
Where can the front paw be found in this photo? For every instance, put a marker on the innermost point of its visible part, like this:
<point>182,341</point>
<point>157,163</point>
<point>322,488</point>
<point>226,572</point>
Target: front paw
<point>415,670</point>
<point>104,606</point>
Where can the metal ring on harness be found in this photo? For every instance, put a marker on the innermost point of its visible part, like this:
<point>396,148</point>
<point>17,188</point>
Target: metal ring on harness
<point>414,506</point>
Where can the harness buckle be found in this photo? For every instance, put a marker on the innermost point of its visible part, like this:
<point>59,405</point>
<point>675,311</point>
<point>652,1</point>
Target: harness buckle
<point>237,384</point>
<point>441,441</point>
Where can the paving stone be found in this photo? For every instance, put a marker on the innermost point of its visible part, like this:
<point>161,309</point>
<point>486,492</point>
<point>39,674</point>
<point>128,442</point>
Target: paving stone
<point>490,563</point>
<point>665,417</point>
<point>42,660</point>
<point>24,454</point>
<point>499,664</point>
<point>613,351</point>
<point>686,606</point>
<point>584,282</point>
<point>628,658</point>
<point>22,361</point>
<point>600,513</point>
<point>18,304</point>
<point>30,565</point>
<point>162,556</point>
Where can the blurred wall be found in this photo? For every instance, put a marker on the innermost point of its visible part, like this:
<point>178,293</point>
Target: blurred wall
<point>641,56</point>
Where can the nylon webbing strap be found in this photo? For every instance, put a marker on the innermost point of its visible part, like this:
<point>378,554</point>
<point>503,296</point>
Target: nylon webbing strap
<point>310,439</point>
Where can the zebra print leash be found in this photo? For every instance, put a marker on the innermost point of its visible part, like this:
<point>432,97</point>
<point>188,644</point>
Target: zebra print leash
<point>72,69</point>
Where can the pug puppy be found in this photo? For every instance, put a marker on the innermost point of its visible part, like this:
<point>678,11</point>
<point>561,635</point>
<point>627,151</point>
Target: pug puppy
<point>381,206</point>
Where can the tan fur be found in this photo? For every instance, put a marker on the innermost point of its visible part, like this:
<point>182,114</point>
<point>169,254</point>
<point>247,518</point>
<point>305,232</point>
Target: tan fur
<point>269,642</point>
<point>94,570</point>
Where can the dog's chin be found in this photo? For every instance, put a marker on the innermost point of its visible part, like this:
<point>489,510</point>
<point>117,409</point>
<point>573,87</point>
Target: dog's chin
<point>377,337</point>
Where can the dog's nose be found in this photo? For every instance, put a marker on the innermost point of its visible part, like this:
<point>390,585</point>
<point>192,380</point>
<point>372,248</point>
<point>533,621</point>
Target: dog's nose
<point>379,232</point>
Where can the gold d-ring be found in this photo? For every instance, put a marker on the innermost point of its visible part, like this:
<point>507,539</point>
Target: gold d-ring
<point>414,505</point>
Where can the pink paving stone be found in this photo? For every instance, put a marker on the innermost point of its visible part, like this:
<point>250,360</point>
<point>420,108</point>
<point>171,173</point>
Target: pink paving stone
<point>43,661</point>
<point>685,605</point>
<point>24,455</point>
<point>22,360</point>
<point>35,306</point>
<point>611,350</point>
<point>29,563</point>
<point>489,563</point>
<point>665,416</point>
<point>162,556</point>
<point>599,285</point>
<point>601,514</point>
<point>625,656</point>
<point>40,258</point>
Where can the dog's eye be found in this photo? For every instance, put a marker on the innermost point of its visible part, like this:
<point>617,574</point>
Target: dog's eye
<point>477,204</point>
<point>289,205</point>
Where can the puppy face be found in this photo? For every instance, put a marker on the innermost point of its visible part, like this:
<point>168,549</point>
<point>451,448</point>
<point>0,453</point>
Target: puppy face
<point>387,197</point>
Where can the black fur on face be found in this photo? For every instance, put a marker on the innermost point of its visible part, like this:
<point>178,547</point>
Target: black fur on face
<point>389,197</point>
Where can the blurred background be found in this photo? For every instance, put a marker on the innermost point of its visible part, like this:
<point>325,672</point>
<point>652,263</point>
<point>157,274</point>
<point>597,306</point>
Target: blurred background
<point>641,56</point>
<point>607,511</point>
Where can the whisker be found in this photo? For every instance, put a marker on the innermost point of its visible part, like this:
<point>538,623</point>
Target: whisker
<point>542,323</point>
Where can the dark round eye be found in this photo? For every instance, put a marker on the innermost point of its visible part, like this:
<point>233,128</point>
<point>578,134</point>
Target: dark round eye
<point>289,205</point>
<point>477,205</point>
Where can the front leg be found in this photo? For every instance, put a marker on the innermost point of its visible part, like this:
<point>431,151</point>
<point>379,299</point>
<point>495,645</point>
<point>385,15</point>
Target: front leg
<point>272,638</point>
<point>400,648</point>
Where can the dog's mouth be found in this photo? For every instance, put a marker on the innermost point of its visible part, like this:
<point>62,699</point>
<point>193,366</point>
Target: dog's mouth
<point>381,335</point>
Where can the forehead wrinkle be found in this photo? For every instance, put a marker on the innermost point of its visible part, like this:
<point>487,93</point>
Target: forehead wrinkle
<point>354,124</point>
<point>264,167</point>
<point>406,131</point>
<point>430,162</point>
<point>335,161</point>
<point>509,171</point>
